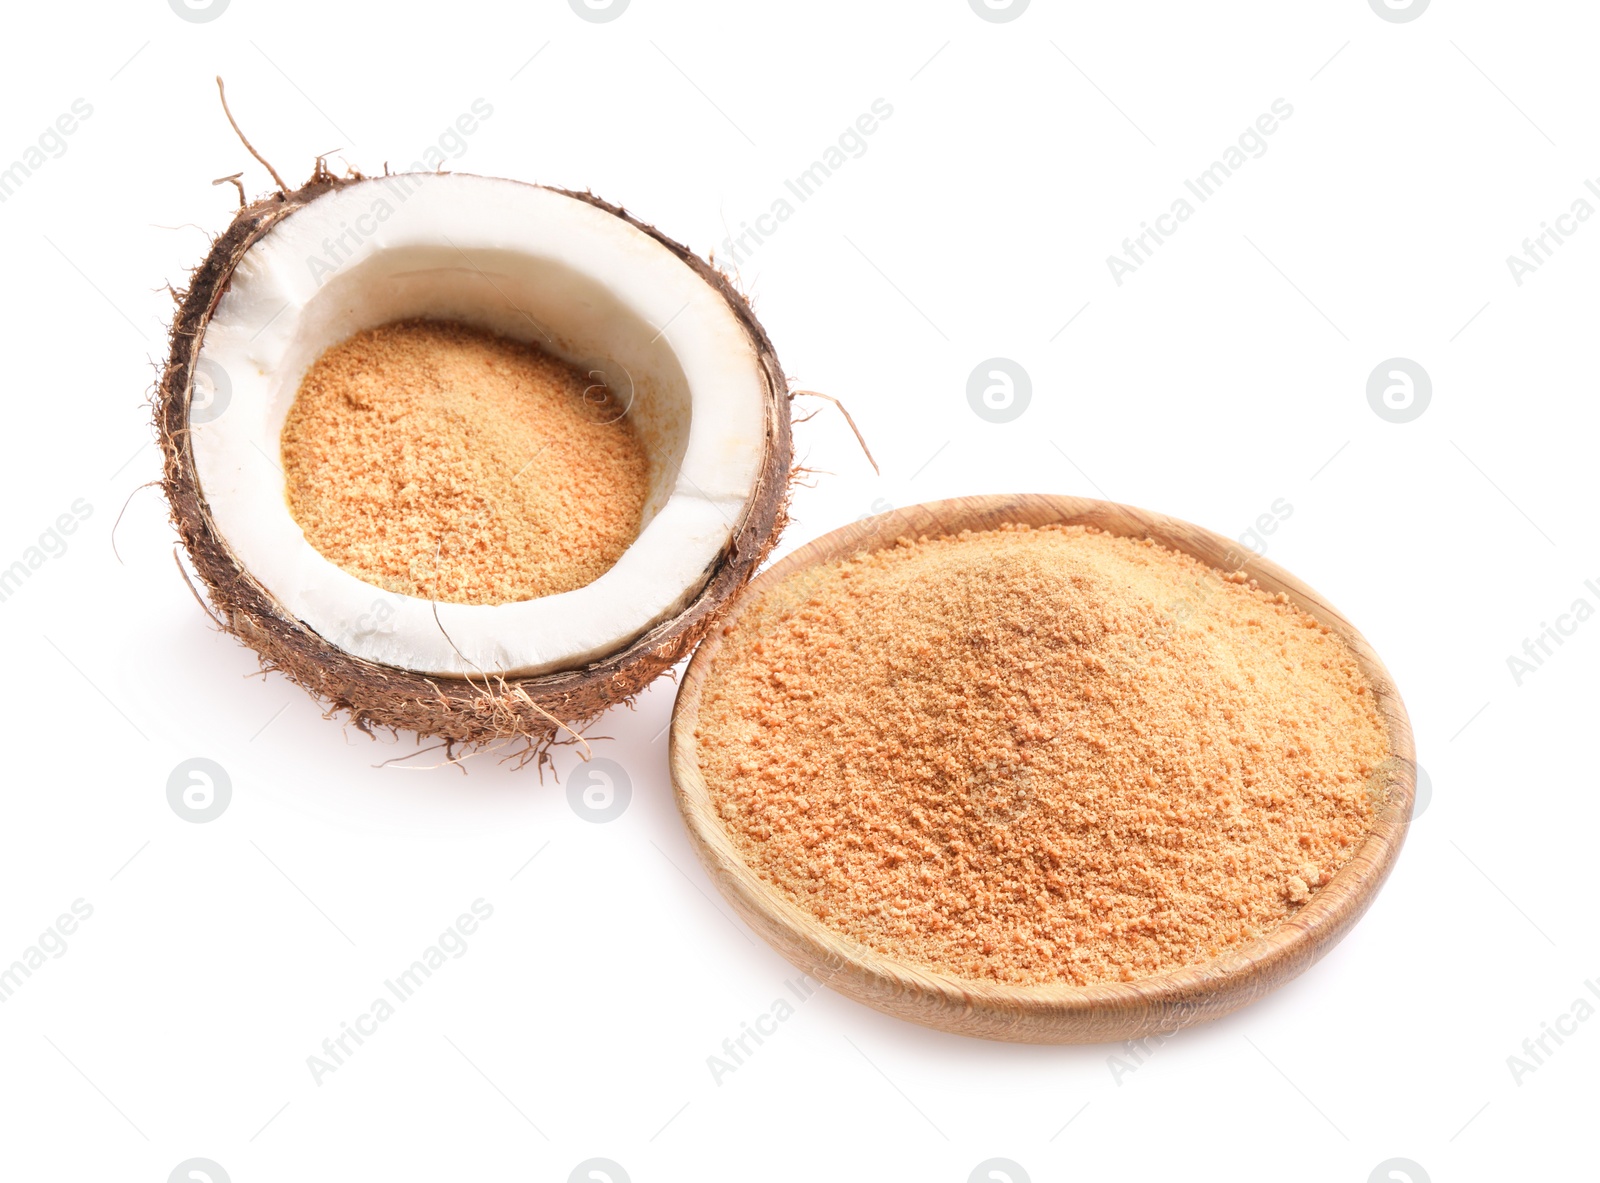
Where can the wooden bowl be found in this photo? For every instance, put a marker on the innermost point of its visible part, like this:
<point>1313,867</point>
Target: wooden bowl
<point>1160,1004</point>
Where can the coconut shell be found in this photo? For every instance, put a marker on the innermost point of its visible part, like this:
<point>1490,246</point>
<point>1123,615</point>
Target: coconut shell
<point>464,713</point>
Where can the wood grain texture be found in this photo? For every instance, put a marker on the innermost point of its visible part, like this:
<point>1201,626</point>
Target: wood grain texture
<point>1162,1003</point>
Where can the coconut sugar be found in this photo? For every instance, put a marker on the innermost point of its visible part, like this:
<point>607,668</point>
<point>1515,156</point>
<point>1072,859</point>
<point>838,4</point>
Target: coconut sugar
<point>1047,755</point>
<point>437,460</point>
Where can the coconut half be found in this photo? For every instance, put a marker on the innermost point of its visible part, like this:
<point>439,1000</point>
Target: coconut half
<point>666,334</point>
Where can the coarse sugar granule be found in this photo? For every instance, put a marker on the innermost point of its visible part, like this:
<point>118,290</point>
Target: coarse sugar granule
<point>1047,755</point>
<point>438,460</point>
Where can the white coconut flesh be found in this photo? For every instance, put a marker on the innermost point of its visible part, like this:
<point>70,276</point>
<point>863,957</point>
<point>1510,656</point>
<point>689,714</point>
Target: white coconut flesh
<point>529,264</point>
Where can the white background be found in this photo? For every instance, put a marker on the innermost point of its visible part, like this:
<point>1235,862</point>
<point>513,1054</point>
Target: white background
<point>1226,373</point>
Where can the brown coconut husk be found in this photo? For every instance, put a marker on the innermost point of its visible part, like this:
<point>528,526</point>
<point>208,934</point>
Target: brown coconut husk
<point>527,715</point>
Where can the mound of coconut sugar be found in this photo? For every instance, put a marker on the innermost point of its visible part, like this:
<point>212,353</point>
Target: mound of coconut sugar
<point>440,461</point>
<point>1043,755</point>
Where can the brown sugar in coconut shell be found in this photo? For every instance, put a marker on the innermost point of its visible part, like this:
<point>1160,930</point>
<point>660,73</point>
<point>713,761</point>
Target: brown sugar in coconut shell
<point>528,714</point>
<point>440,461</point>
<point>1033,756</point>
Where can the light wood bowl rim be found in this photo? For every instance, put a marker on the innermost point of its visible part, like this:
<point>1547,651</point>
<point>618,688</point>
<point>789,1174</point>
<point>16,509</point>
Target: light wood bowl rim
<point>1055,1013</point>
